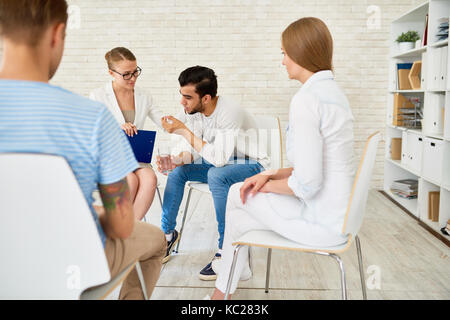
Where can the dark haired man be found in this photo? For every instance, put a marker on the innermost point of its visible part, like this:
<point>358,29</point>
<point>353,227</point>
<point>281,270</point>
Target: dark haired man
<point>36,117</point>
<point>208,153</point>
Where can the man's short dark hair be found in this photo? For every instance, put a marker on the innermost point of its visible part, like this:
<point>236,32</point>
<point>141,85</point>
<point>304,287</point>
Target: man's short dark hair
<point>204,79</point>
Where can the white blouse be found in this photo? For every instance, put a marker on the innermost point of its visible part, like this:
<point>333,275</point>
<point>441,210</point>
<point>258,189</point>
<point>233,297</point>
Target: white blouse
<point>143,105</point>
<point>319,144</point>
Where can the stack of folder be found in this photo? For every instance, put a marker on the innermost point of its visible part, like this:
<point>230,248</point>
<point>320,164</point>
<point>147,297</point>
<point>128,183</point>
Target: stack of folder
<point>406,188</point>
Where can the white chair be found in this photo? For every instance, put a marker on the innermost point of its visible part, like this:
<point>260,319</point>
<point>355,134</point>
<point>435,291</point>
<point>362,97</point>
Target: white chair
<point>49,244</point>
<point>353,220</point>
<point>271,133</point>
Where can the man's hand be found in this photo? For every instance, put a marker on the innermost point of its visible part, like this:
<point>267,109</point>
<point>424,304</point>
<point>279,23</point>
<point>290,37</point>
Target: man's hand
<point>176,161</point>
<point>173,125</point>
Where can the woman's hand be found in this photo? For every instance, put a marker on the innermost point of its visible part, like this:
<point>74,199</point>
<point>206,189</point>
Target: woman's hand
<point>129,128</point>
<point>268,187</point>
<point>253,185</point>
<point>280,186</point>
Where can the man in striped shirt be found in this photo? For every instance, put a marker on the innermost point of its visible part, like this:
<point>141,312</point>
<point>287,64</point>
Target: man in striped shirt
<point>36,117</point>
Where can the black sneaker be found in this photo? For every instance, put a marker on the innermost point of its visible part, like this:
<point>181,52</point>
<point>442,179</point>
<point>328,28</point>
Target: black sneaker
<point>208,273</point>
<point>170,245</point>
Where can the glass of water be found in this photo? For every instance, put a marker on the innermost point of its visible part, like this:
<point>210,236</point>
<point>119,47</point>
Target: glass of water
<point>165,160</point>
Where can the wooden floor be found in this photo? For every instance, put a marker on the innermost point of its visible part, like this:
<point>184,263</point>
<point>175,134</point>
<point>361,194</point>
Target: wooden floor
<point>411,263</point>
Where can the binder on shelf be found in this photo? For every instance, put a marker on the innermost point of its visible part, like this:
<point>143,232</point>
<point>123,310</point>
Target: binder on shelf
<point>412,151</point>
<point>403,73</point>
<point>443,116</point>
<point>425,33</point>
<point>433,205</point>
<point>433,120</point>
<point>435,72</point>
<point>448,72</point>
<point>432,159</point>
<point>441,113</point>
<point>443,68</point>
<point>423,72</point>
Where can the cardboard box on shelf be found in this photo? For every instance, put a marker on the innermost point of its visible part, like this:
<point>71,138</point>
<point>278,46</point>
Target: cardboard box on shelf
<point>396,148</point>
<point>433,205</point>
<point>403,70</point>
<point>443,114</point>
<point>414,75</point>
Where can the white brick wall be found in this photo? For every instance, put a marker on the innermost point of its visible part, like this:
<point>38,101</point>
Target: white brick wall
<point>240,40</point>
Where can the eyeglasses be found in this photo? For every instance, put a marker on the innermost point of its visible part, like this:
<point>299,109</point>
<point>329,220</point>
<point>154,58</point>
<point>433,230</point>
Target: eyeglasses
<point>129,75</point>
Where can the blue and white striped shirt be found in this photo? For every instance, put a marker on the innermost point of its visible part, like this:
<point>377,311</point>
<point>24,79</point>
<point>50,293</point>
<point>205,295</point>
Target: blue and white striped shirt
<point>37,117</point>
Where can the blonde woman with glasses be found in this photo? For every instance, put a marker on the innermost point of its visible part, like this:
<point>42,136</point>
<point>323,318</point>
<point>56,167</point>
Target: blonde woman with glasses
<point>130,106</point>
<point>307,202</point>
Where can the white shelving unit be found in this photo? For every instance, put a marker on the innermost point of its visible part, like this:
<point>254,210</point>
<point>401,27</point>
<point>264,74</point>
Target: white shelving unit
<point>425,154</point>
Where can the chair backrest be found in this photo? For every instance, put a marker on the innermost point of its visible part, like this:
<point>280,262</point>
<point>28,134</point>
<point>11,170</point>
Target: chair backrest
<point>268,131</point>
<point>358,198</point>
<point>49,244</point>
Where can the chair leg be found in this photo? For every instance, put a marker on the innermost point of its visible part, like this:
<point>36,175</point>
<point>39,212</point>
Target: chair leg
<point>233,266</point>
<point>159,196</point>
<point>341,267</point>
<point>361,268</point>
<point>250,259</point>
<point>141,279</point>
<point>184,217</point>
<point>269,260</point>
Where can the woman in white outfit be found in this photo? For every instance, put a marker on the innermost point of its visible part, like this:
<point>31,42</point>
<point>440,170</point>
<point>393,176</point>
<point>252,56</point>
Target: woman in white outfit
<point>305,203</point>
<point>130,106</point>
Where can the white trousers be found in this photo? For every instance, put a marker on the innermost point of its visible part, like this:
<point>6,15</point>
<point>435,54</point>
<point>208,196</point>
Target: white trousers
<point>265,211</point>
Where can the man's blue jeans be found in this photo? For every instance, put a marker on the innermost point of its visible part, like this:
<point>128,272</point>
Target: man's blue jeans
<point>219,179</point>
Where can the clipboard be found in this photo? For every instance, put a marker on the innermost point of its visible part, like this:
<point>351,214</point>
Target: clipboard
<point>143,144</point>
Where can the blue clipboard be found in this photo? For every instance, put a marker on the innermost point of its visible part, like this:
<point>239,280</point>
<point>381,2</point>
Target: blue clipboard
<point>142,145</point>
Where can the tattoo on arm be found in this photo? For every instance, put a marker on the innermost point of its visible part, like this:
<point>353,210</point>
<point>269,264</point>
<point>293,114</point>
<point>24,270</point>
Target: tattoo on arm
<point>115,195</point>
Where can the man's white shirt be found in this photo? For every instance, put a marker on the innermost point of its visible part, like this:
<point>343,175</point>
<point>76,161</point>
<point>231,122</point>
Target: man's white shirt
<point>228,134</point>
